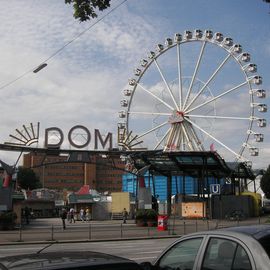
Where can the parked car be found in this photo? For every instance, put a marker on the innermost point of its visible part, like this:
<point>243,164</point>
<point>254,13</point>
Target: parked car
<point>235,248</point>
<point>266,206</point>
<point>78,260</point>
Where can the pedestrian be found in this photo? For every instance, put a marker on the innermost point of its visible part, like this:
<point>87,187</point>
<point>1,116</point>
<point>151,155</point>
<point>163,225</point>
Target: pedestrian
<point>63,217</point>
<point>82,214</point>
<point>125,215</point>
<point>88,214</point>
<point>68,216</point>
<point>27,214</point>
<point>71,212</point>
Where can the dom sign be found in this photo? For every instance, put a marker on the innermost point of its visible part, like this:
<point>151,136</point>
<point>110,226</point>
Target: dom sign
<point>78,129</point>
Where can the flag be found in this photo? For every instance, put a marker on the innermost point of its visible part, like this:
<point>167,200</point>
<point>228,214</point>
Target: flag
<point>212,149</point>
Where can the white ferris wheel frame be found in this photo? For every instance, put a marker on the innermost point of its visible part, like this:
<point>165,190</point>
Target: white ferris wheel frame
<point>184,104</point>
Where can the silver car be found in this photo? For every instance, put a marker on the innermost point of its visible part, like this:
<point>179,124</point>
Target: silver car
<point>235,248</point>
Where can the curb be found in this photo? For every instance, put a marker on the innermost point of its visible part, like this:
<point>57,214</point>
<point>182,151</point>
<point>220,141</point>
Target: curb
<point>86,240</point>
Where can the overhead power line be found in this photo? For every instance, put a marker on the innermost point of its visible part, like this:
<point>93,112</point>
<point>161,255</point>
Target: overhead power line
<point>44,63</point>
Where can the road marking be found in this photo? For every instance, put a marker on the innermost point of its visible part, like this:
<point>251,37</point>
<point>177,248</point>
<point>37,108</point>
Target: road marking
<point>157,251</point>
<point>142,258</point>
<point>21,249</point>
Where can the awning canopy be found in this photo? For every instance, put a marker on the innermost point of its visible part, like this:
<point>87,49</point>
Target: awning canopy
<point>193,164</point>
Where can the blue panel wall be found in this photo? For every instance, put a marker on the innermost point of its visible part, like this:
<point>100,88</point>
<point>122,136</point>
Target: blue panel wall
<point>129,184</point>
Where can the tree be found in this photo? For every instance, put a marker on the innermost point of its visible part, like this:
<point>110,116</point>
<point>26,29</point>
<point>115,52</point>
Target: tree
<point>265,183</point>
<point>27,179</point>
<point>86,9</point>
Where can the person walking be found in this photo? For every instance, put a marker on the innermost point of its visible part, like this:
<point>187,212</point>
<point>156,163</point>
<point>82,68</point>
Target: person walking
<point>64,217</point>
<point>27,214</point>
<point>71,212</point>
<point>125,215</point>
<point>88,215</point>
<point>82,214</point>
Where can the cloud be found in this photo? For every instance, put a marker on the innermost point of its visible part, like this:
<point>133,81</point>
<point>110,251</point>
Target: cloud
<point>83,83</point>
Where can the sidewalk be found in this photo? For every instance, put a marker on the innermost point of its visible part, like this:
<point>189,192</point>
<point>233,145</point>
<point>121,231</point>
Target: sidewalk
<point>50,230</point>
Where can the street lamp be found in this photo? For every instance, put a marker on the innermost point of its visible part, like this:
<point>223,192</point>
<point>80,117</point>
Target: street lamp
<point>40,67</point>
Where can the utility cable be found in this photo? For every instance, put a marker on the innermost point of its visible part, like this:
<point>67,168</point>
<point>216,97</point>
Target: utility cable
<point>44,63</point>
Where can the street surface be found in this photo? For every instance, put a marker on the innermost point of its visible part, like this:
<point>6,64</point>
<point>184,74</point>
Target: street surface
<point>138,250</point>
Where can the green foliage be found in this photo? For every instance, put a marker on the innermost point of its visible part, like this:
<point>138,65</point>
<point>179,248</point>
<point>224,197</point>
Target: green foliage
<point>146,214</point>
<point>27,179</point>
<point>7,220</point>
<point>151,214</point>
<point>265,183</point>
<point>86,9</point>
<point>140,214</point>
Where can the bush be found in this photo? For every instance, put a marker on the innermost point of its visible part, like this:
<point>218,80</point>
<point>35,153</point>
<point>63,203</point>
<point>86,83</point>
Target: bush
<point>7,220</point>
<point>146,214</point>
<point>151,214</point>
<point>140,214</point>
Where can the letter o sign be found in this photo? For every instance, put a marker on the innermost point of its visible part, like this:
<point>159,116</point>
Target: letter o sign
<point>88,139</point>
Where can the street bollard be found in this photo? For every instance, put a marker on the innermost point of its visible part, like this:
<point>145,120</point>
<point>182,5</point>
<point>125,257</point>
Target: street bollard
<point>196,225</point>
<point>184,227</point>
<point>121,230</point>
<point>52,238</point>
<point>20,233</point>
<point>89,232</point>
<point>208,225</point>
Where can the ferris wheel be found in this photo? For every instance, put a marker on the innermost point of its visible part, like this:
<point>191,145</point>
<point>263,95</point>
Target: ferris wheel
<point>197,92</point>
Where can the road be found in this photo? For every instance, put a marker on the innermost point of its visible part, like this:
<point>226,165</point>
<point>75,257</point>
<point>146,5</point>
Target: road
<point>138,250</point>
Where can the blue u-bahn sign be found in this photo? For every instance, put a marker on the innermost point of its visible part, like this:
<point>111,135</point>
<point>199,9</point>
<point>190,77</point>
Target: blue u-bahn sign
<point>215,189</point>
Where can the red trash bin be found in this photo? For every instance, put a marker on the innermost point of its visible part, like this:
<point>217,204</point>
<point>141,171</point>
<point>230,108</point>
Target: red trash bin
<point>162,223</point>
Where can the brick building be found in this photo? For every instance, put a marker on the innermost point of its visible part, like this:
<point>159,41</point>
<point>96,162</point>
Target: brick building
<point>59,174</point>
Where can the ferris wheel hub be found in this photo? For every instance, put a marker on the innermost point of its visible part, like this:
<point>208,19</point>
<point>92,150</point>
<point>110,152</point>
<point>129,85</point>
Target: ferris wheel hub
<point>176,117</point>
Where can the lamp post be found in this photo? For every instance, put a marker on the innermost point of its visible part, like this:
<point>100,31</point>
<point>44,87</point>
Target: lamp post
<point>40,67</point>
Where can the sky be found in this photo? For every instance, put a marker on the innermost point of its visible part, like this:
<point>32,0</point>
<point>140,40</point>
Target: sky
<point>89,64</point>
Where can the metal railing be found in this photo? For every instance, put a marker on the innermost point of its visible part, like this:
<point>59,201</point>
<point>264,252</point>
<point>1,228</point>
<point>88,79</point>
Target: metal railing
<point>111,231</point>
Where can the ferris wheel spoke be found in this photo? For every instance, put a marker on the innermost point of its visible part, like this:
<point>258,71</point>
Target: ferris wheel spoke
<point>217,97</point>
<point>156,97</point>
<point>209,80</point>
<point>187,137</point>
<point>162,139</point>
<point>153,129</point>
<point>179,68</point>
<point>215,139</point>
<point>150,113</point>
<point>194,74</point>
<point>198,144</point>
<point>219,117</point>
<point>191,137</point>
<point>167,85</point>
<point>182,135</point>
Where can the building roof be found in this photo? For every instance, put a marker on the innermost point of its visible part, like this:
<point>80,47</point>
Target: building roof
<point>80,198</point>
<point>83,190</point>
<point>195,164</point>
